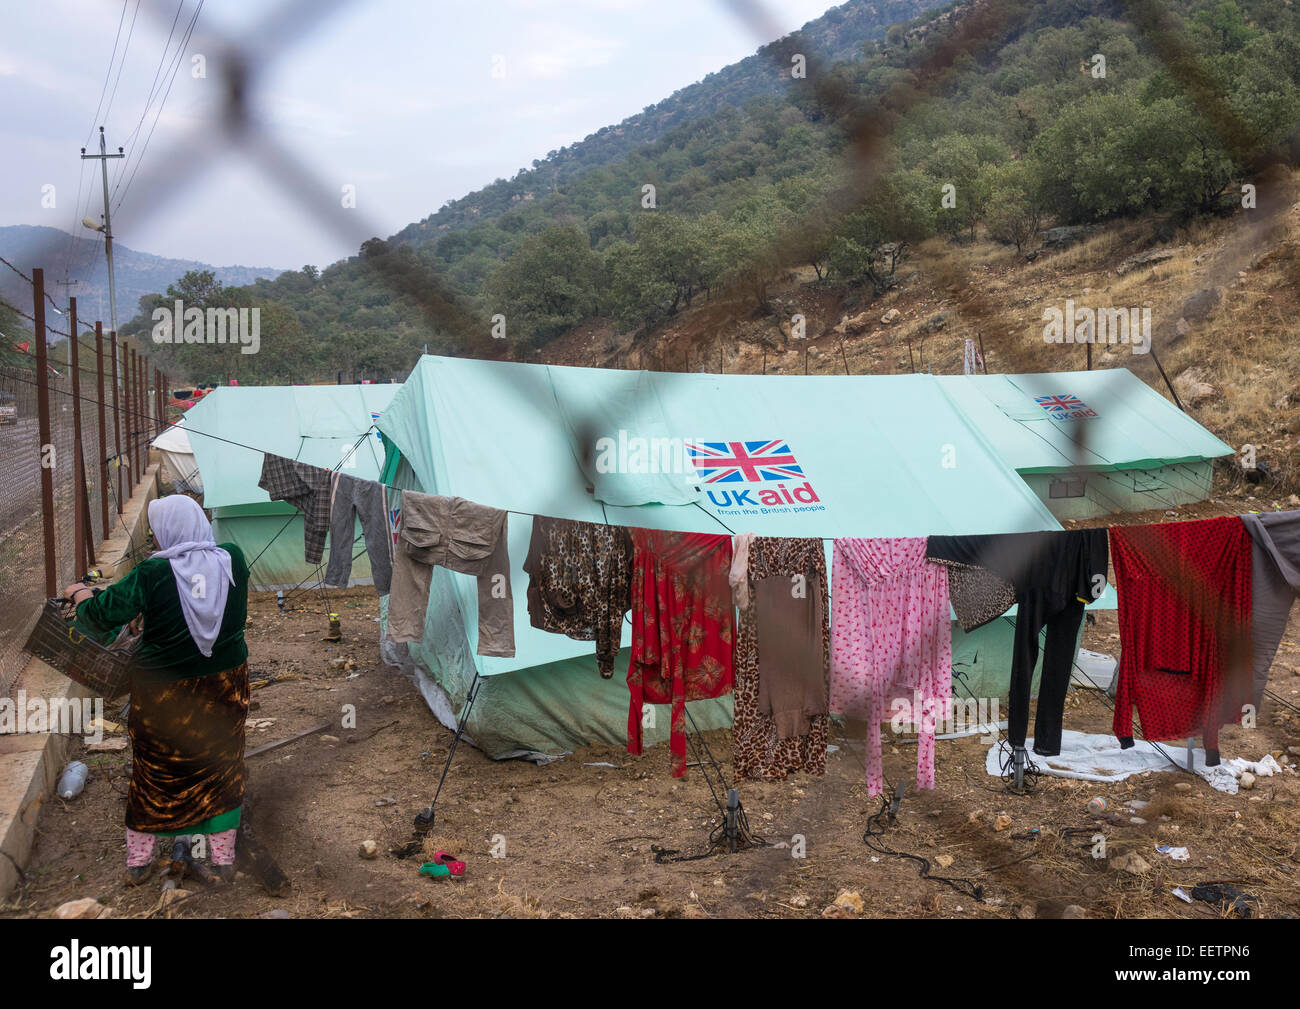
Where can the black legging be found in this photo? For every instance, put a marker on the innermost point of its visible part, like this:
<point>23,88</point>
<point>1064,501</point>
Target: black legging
<point>1034,611</point>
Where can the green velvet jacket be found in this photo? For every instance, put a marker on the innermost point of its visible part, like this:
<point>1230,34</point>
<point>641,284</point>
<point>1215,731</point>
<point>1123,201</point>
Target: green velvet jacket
<point>167,650</point>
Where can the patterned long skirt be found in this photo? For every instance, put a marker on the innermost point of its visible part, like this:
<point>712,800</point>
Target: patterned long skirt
<point>187,747</point>
<point>757,749</point>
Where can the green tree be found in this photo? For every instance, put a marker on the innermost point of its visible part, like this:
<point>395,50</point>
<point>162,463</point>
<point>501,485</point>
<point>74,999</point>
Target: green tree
<point>547,286</point>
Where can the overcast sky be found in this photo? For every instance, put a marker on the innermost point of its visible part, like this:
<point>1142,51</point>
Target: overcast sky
<point>413,103</point>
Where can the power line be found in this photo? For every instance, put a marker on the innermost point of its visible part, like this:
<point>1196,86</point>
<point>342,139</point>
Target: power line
<point>130,32</point>
<point>108,73</point>
<point>180,53</point>
<point>153,93</point>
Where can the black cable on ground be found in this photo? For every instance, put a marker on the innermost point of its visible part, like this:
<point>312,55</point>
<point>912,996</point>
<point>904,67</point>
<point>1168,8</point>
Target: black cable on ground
<point>722,839</point>
<point>875,830</point>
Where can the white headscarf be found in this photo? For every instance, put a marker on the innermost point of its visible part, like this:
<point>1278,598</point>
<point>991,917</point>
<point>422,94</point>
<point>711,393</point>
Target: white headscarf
<point>202,570</point>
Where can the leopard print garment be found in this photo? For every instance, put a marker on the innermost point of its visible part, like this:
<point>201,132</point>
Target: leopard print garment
<point>978,595</point>
<point>757,751</point>
<point>580,578</point>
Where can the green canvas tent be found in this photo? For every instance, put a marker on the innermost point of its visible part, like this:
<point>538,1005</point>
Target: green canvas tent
<point>873,456</point>
<point>1090,443</point>
<point>325,425</point>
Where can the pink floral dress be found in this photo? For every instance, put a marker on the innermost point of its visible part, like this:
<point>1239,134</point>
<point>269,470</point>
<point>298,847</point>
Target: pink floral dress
<point>891,640</point>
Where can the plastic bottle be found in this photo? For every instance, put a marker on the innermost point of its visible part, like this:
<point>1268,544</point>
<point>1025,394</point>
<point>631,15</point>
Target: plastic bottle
<point>73,780</point>
<point>1097,805</point>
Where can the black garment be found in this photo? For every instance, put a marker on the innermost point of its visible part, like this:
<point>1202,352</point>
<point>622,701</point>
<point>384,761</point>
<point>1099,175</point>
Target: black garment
<point>1055,574</point>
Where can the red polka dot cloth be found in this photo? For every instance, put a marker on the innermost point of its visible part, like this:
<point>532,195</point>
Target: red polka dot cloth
<point>1184,625</point>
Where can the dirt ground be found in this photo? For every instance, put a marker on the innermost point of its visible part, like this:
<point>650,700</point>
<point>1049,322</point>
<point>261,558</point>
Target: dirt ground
<point>577,838</point>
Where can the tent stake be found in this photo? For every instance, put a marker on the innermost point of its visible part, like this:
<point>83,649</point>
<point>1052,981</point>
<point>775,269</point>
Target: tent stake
<point>424,820</point>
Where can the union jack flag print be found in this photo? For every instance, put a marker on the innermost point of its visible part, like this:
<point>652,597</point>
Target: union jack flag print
<point>744,461</point>
<point>1057,405</point>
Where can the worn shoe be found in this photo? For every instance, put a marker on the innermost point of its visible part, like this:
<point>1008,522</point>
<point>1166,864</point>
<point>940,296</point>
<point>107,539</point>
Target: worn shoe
<point>137,874</point>
<point>224,873</point>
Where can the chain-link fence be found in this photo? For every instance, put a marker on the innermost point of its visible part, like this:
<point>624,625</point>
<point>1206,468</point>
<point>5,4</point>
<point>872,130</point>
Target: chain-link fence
<point>83,506</point>
<point>22,572</point>
<point>867,122</point>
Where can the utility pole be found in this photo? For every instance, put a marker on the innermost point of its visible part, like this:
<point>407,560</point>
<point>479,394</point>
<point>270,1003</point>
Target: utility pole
<point>107,227</point>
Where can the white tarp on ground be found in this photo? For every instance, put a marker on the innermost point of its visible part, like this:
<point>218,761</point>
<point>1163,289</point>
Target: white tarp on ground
<point>1091,757</point>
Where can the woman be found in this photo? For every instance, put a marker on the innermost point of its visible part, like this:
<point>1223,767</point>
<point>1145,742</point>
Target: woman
<point>189,688</point>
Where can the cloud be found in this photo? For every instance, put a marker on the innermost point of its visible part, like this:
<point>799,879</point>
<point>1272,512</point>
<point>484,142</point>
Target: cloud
<point>552,55</point>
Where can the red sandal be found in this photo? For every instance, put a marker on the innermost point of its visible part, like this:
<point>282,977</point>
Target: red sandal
<point>456,866</point>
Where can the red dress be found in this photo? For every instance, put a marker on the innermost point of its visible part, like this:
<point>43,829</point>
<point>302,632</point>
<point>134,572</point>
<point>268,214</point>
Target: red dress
<point>1184,625</point>
<point>682,628</point>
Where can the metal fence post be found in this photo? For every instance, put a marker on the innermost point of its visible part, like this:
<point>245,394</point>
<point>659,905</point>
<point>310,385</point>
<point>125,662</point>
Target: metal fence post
<point>142,445</point>
<point>43,426</point>
<point>78,462</point>
<point>103,435</point>
<point>117,424</point>
<point>128,417</point>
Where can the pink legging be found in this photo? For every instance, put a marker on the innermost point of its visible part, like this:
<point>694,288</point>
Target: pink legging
<point>139,847</point>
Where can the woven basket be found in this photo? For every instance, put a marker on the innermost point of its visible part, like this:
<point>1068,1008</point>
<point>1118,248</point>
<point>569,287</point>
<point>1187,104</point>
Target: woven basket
<point>104,671</point>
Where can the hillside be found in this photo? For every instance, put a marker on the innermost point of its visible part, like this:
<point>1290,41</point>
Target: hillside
<point>137,274</point>
<point>838,36</point>
<point>1126,189</point>
<point>1224,295</point>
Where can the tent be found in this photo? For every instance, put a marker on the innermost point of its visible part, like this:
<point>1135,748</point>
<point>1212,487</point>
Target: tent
<point>873,456</point>
<point>1090,443</point>
<point>231,428</point>
<point>178,456</point>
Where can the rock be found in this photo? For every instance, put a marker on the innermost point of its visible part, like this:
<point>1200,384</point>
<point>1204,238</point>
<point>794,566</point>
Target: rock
<point>1074,911</point>
<point>943,861</point>
<point>1137,820</point>
<point>1002,822</point>
<point>857,324</point>
<point>1247,780</point>
<point>1200,304</point>
<point>799,900</point>
<point>368,849</point>
<point>1182,327</point>
<point>850,899</point>
<point>1027,911</point>
<point>327,738</point>
<point>1183,786</point>
<point>890,317</point>
<point>86,907</point>
<point>174,895</point>
<point>838,911</point>
<point>279,912</point>
<point>1131,862</point>
<point>1065,236</point>
<point>1193,388</point>
<point>1148,258</point>
<point>936,322</point>
<point>107,746</point>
